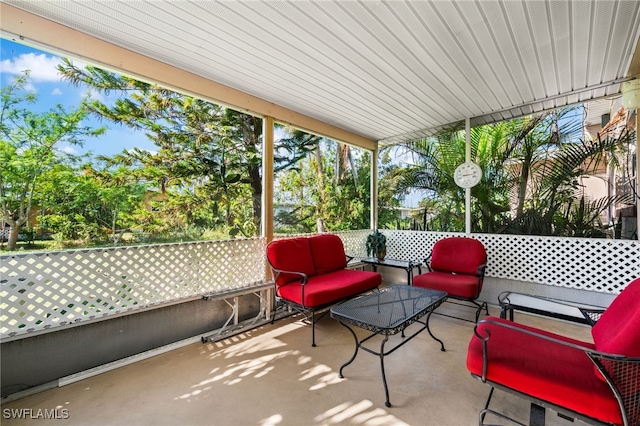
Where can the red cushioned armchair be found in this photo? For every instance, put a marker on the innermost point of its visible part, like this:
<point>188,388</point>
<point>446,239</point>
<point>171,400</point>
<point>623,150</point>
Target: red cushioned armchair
<point>597,383</point>
<point>311,274</point>
<point>457,266</point>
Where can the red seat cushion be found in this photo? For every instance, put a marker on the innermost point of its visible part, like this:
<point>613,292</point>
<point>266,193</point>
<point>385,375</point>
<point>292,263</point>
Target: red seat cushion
<point>329,288</point>
<point>458,254</point>
<point>291,254</point>
<point>551,372</point>
<point>328,253</point>
<point>462,286</point>
<point>618,329</point>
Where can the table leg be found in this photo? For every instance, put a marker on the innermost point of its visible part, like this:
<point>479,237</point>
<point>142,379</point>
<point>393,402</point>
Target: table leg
<point>503,312</point>
<point>384,377</point>
<point>429,330</point>
<point>355,352</point>
<point>410,272</point>
<point>506,312</point>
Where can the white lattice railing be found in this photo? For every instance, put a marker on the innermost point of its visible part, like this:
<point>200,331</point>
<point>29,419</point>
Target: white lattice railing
<point>45,290</point>
<point>587,264</point>
<point>42,290</point>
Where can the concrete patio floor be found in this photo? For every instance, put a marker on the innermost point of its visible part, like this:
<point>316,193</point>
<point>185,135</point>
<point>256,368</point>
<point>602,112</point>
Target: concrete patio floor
<point>272,376</point>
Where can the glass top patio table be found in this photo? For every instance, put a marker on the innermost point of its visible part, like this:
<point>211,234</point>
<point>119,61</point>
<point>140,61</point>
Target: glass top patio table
<point>510,301</point>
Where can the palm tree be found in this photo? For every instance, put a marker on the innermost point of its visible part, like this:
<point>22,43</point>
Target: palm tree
<point>558,204</point>
<point>434,161</point>
<point>530,184</point>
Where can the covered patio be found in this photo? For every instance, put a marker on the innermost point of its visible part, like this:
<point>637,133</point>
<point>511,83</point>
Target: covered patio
<point>271,375</point>
<point>368,74</point>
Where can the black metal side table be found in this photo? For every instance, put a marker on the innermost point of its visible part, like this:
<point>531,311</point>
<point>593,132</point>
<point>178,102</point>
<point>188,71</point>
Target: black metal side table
<point>407,265</point>
<point>510,301</point>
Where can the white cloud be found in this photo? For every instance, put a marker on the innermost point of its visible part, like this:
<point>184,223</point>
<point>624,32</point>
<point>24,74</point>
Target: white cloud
<point>42,67</point>
<point>69,150</point>
<point>56,91</point>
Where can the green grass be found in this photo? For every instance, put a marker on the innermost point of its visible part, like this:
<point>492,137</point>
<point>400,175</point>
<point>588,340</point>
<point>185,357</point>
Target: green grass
<point>128,239</point>
<point>33,246</point>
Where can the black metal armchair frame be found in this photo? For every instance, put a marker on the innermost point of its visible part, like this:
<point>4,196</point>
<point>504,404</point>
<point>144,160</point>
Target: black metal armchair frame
<point>312,314</point>
<point>625,386</point>
<point>309,313</point>
<point>456,300</point>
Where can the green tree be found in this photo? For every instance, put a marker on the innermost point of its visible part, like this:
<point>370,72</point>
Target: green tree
<point>390,193</point>
<point>432,162</point>
<point>530,184</point>
<point>208,159</point>
<point>325,190</point>
<point>119,192</point>
<point>89,203</point>
<point>558,205</point>
<point>28,149</point>
<point>69,204</point>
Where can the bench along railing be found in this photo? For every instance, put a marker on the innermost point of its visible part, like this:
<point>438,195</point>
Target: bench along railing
<point>41,291</point>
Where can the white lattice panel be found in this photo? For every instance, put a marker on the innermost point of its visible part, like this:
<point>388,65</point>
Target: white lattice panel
<point>581,263</point>
<point>587,264</point>
<point>411,245</point>
<point>42,290</point>
<point>353,241</point>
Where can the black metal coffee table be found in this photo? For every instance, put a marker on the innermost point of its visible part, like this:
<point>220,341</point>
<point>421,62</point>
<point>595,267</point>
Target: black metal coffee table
<point>387,312</point>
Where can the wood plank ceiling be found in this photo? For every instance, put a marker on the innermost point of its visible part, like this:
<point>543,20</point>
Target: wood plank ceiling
<point>387,70</point>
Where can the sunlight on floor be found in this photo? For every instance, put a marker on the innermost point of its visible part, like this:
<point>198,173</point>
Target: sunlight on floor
<point>271,376</point>
<point>362,412</point>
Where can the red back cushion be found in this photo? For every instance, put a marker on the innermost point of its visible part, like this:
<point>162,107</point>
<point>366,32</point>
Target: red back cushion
<point>618,329</point>
<point>291,254</point>
<point>458,254</point>
<point>328,253</point>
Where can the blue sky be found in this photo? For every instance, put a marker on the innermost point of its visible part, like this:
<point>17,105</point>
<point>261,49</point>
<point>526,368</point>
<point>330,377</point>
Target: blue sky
<point>51,90</point>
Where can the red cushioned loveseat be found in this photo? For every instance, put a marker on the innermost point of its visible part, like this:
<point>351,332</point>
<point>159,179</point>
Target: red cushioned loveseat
<point>311,274</point>
<point>598,383</point>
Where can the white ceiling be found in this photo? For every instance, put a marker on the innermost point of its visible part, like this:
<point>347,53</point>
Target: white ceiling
<point>386,70</point>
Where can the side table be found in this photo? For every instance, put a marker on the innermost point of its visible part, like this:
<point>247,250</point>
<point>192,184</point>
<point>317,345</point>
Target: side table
<point>407,265</point>
<point>510,301</point>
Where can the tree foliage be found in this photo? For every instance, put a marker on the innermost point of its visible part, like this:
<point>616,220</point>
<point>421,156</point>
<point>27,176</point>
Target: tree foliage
<point>29,145</point>
<point>532,173</point>
<point>209,158</point>
<point>326,190</point>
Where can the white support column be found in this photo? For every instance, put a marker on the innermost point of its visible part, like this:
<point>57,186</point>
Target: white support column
<point>467,191</point>
<point>374,190</point>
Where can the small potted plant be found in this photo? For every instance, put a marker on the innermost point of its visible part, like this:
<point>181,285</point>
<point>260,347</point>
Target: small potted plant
<point>377,245</point>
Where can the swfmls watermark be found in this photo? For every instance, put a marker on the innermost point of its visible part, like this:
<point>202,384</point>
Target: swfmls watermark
<point>35,413</point>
